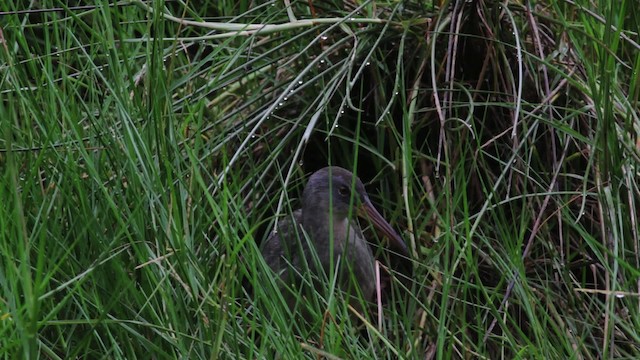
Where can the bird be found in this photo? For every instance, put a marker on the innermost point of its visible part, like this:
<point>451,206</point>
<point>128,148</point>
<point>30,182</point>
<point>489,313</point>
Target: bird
<point>322,232</point>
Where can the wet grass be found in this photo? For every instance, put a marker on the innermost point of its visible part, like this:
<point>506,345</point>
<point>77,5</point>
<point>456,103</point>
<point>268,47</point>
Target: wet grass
<point>145,158</point>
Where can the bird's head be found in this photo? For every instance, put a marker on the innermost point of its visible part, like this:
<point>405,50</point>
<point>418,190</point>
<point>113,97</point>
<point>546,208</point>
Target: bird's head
<point>329,192</point>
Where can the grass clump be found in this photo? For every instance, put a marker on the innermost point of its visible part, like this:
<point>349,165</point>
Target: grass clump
<point>147,148</point>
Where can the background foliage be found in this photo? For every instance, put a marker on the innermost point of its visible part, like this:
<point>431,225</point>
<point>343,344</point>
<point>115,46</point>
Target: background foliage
<point>147,148</point>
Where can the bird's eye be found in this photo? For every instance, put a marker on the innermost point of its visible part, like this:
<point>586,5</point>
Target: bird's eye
<point>343,190</point>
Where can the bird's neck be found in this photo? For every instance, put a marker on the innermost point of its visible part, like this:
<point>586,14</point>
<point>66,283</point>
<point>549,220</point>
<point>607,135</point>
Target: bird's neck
<point>323,225</point>
<point>319,218</point>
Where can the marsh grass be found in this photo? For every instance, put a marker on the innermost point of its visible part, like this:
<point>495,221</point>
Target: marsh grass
<point>144,159</point>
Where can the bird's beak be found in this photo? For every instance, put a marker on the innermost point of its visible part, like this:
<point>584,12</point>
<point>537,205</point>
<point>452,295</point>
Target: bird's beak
<point>366,210</point>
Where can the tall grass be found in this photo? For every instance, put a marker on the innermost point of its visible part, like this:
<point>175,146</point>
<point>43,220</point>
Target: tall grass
<point>148,147</point>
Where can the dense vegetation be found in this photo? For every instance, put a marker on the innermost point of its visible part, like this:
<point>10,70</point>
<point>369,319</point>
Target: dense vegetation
<point>148,147</point>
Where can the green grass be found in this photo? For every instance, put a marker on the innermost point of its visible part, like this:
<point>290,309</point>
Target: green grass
<point>144,159</point>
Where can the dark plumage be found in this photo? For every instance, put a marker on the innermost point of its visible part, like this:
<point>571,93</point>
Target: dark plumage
<point>288,248</point>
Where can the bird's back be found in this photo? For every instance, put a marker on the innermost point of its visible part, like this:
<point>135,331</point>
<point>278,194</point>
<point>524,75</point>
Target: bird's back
<point>280,248</point>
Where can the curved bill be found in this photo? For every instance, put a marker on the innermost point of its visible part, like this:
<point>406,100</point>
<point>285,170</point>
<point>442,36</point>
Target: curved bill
<point>368,211</point>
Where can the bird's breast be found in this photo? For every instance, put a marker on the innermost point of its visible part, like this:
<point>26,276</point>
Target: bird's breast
<point>355,254</point>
